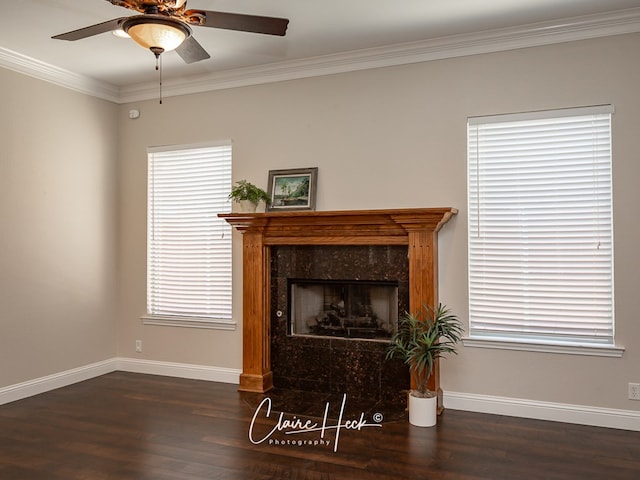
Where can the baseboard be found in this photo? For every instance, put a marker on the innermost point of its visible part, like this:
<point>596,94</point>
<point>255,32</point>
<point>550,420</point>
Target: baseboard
<point>556,412</point>
<point>181,370</point>
<point>56,380</point>
<point>513,407</point>
<point>86,372</point>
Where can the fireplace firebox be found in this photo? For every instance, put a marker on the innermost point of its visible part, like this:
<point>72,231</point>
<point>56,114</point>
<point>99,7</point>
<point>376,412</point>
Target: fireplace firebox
<point>341,308</point>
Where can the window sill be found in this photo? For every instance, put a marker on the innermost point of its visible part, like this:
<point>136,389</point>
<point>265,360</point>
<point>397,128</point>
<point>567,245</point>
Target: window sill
<point>188,322</point>
<point>593,350</point>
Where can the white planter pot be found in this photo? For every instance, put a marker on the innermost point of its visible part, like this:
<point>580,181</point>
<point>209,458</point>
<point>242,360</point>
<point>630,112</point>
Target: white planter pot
<point>247,206</point>
<point>423,412</point>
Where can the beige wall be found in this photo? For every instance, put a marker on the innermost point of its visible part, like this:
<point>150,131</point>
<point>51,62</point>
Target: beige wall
<point>57,228</point>
<point>384,138</point>
<point>396,137</point>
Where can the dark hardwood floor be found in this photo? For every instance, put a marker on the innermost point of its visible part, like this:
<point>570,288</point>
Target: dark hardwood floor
<point>131,426</point>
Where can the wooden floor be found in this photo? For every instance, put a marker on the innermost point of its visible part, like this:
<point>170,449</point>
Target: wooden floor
<point>131,426</point>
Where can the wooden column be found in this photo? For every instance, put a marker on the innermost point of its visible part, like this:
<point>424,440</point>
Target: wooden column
<point>423,283</point>
<point>417,228</point>
<point>256,337</point>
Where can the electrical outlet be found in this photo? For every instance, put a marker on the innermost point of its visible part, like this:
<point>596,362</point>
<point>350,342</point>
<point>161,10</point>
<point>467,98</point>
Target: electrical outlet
<point>634,391</point>
<point>139,350</point>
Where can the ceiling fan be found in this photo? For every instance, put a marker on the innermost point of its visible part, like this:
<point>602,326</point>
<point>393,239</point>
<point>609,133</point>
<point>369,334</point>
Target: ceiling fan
<point>165,25</point>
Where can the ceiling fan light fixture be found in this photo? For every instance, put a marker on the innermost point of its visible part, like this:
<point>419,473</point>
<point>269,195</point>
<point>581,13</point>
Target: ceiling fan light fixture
<point>151,32</point>
<point>120,33</point>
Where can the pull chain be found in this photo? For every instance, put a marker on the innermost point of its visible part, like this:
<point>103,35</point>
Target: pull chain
<point>160,60</point>
<point>157,51</point>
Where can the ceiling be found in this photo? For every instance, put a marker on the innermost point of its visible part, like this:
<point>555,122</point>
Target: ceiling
<point>317,30</point>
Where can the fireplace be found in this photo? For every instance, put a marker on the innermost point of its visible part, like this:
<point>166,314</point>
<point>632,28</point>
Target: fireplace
<point>333,293</point>
<point>343,308</point>
<point>266,237</point>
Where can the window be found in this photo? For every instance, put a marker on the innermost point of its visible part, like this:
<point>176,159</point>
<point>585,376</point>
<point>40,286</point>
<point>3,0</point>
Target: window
<point>189,247</point>
<point>540,228</point>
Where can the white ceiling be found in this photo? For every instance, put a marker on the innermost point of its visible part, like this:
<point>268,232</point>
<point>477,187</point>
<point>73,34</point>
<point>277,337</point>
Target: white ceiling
<point>317,29</point>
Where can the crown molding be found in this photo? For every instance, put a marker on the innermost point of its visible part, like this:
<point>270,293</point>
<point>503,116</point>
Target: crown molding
<point>546,33</point>
<point>49,73</point>
<point>532,35</point>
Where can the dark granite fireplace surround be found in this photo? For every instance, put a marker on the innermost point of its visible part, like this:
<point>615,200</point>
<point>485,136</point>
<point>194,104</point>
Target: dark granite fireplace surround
<point>327,364</point>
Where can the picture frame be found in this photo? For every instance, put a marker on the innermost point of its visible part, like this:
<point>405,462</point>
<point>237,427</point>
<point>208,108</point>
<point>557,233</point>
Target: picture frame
<point>292,189</point>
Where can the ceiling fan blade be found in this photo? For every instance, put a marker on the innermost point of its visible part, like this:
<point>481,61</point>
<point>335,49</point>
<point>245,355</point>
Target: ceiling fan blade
<point>191,51</point>
<point>92,30</point>
<point>241,22</point>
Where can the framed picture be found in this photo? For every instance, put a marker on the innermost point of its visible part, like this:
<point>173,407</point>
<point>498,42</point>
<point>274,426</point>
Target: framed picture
<point>293,189</point>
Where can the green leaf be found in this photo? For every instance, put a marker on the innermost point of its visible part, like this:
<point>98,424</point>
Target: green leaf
<point>423,337</point>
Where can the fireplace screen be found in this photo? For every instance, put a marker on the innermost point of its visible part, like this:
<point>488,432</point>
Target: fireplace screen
<point>349,309</point>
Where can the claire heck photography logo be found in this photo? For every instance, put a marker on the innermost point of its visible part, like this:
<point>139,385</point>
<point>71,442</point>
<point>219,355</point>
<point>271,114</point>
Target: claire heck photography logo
<point>297,432</point>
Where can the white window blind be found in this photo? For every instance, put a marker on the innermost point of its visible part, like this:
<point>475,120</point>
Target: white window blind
<point>540,227</point>
<point>189,247</point>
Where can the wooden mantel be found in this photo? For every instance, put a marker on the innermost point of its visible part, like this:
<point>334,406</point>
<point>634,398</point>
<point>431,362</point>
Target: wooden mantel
<point>416,227</point>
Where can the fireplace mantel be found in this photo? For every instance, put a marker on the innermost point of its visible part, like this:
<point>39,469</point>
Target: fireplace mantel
<point>417,228</point>
<point>349,227</point>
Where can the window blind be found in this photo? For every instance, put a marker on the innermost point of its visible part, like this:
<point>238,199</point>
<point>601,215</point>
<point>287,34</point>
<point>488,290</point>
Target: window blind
<point>540,227</point>
<point>189,247</point>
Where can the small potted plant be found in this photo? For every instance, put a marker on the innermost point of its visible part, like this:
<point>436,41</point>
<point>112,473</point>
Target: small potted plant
<point>247,195</point>
<point>421,339</point>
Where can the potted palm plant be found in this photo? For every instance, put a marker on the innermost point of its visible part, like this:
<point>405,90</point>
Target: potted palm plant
<point>421,339</point>
<point>247,195</point>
